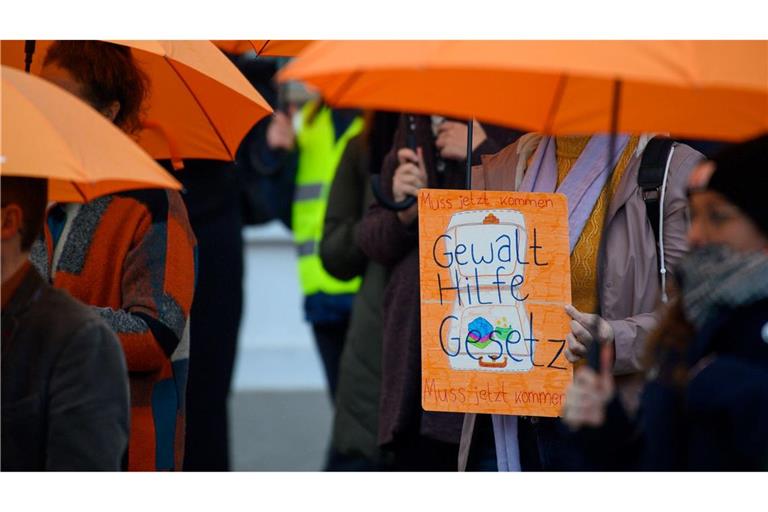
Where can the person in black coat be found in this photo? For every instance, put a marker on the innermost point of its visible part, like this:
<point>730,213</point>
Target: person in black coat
<point>65,399</point>
<point>705,406</point>
<point>222,198</point>
<point>416,440</point>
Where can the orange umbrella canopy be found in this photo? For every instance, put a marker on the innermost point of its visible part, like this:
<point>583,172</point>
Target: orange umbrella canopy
<point>200,105</point>
<point>264,48</point>
<point>698,89</point>
<point>47,132</point>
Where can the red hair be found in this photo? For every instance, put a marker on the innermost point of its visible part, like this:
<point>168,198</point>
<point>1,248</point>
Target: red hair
<point>108,73</point>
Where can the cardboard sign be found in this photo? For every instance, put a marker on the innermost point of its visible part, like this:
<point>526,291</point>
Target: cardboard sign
<point>495,277</point>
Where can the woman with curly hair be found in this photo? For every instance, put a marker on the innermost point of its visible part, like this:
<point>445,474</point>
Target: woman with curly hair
<point>130,255</point>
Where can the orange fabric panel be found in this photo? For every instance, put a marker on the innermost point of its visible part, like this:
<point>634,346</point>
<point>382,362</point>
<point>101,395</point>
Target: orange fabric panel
<point>266,47</point>
<point>698,89</point>
<point>201,100</point>
<point>57,136</point>
<point>180,261</point>
<point>141,446</point>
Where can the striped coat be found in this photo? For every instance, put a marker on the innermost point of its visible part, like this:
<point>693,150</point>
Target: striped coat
<point>132,257</point>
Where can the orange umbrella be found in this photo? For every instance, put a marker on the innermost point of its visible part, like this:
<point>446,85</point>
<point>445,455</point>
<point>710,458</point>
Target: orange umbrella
<point>200,105</point>
<point>49,133</point>
<point>265,48</point>
<point>698,89</point>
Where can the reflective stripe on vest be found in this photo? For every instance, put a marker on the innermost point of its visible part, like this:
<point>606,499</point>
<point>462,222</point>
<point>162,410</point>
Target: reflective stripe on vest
<point>306,248</point>
<point>319,156</point>
<point>307,192</point>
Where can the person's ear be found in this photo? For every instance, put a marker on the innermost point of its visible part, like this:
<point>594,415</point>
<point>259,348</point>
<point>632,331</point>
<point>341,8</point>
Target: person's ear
<point>11,221</point>
<point>111,110</point>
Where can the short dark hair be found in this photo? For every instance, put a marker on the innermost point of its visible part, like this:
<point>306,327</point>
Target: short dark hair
<point>31,194</point>
<point>108,73</point>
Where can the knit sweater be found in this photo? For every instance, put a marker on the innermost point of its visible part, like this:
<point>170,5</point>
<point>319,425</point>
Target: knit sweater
<point>584,255</point>
<point>132,257</point>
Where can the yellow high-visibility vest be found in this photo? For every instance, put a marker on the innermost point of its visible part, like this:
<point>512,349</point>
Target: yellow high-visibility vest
<point>319,156</point>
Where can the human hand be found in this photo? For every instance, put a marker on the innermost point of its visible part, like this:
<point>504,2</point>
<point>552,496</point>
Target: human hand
<point>410,176</point>
<point>586,328</point>
<point>588,396</point>
<point>280,134</point>
<point>452,139</point>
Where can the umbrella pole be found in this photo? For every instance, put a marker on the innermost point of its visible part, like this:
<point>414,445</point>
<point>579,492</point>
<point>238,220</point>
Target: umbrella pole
<point>469,154</point>
<point>282,89</point>
<point>29,51</point>
<point>616,99</point>
<point>281,94</point>
<point>593,352</point>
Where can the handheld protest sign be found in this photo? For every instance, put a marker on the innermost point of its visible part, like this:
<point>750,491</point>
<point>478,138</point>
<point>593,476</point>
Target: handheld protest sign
<point>494,279</point>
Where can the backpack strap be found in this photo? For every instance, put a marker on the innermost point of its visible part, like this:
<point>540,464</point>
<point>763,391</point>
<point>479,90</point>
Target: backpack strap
<point>651,179</point>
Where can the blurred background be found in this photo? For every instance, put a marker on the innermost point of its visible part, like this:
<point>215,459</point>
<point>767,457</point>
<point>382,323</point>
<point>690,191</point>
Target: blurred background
<point>279,395</point>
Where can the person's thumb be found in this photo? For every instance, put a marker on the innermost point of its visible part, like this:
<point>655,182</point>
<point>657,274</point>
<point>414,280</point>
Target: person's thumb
<point>584,319</point>
<point>420,159</point>
<point>405,155</point>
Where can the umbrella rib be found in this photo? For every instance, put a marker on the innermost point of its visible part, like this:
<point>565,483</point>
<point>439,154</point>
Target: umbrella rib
<point>200,105</point>
<point>263,47</point>
<point>80,191</point>
<point>345,86</point>
<point>615,102</point>
<point>559,93</point>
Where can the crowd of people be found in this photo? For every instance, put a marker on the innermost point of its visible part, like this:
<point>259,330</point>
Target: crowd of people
<point>120,315</point>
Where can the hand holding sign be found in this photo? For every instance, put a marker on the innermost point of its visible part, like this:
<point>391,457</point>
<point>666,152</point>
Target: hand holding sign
<point>586,328</point>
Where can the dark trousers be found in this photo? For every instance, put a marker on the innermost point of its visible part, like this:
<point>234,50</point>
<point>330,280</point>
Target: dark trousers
<point>482,454</point>
<point>340,462</point>
<point>215,321</point>
<point>546,445</point>
<point>413,452</point>
<point>329,339</point>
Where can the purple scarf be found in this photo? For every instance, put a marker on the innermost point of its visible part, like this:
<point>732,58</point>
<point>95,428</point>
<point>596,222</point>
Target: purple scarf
<point>582,186</point>
<point>584,182</point>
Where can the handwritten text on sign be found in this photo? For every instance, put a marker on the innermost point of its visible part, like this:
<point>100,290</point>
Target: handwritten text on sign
<point>494,275</point>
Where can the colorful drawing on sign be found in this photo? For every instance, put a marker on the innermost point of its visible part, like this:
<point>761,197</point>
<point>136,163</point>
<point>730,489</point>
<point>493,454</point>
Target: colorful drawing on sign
<point>495,276</point>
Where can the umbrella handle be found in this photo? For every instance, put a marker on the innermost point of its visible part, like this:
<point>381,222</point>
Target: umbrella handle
<point>406,203</point>
<point>470,125</point>
<point>29,51</point>
<point>385,201</point>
